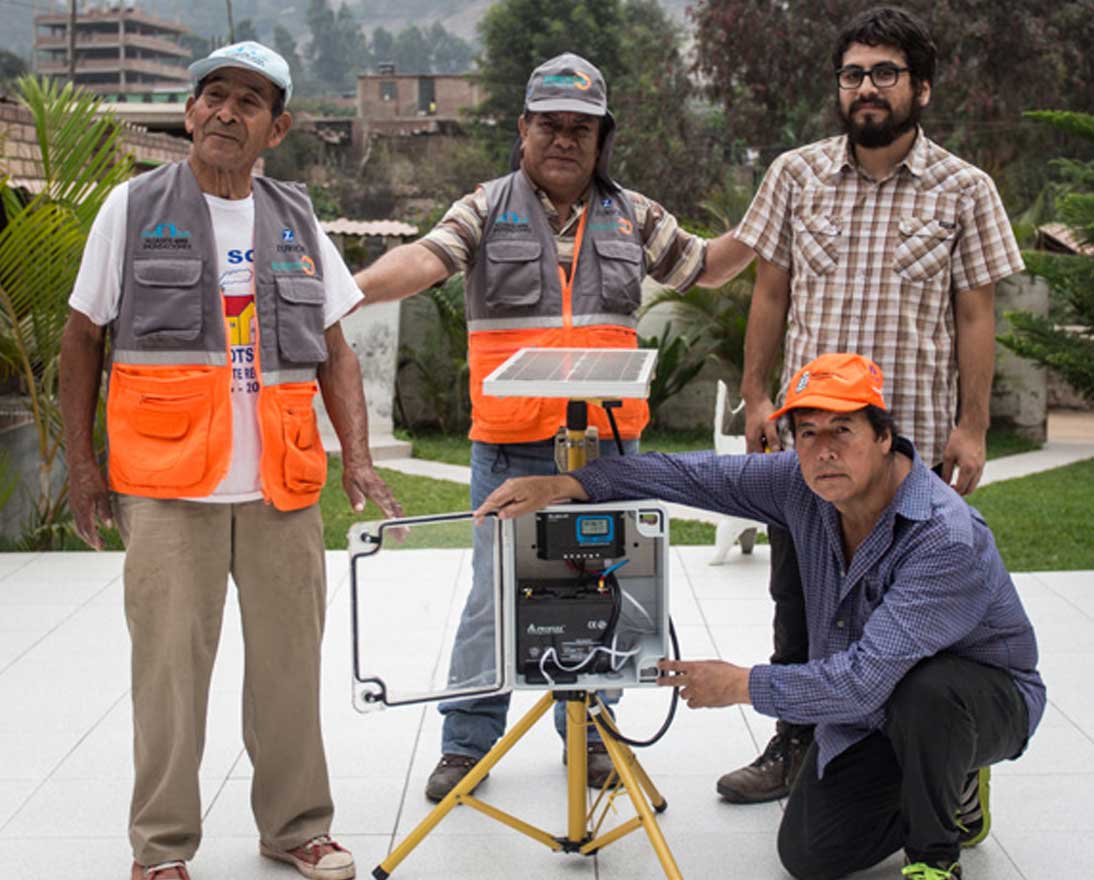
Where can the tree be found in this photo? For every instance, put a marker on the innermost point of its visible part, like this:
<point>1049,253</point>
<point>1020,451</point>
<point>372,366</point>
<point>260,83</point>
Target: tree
<point>285,44</point>
<point>412,51</point>
<point>665,147</point>
<point>40,251</point>
<point>450,54</point>
<point>518,35</point>
<point>245,30</point>
<point>769,65</point>
<point>338,51</point>
<point>1067,349</point>
<point>11,66</point>
<point>382,46</point>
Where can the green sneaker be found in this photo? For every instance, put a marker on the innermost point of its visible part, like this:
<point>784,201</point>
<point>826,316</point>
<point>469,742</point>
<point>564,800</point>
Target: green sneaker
<point>923,871</point>
<point>974,812</point>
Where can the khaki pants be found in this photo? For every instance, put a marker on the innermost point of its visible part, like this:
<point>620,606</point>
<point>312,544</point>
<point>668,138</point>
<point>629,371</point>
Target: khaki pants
<point>178,558</point>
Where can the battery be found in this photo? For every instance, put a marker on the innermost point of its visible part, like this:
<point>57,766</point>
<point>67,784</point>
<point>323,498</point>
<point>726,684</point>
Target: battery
<point>572,619</point>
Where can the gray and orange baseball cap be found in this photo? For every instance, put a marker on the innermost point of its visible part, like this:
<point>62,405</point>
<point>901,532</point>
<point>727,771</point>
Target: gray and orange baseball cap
<point>567,83</point>
<point>840,382</point>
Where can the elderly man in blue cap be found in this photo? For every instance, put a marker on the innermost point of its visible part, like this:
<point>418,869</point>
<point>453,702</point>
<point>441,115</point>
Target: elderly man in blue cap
<point>222,297</point>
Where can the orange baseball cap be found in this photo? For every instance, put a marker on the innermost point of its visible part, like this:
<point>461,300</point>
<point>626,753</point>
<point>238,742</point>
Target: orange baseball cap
<point>837,382</point>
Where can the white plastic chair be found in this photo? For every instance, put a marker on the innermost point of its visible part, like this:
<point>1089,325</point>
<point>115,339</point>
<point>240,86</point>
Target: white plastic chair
<point>731,529</point>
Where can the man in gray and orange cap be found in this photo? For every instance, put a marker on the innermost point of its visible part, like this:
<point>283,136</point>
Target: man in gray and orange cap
<point>922,665</point>
<point>222,298</point>
<point>553,255</point>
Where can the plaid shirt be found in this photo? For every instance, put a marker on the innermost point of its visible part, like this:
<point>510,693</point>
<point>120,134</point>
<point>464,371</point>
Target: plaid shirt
<point>875,266</point>
<point>674,258</point>
<point>927,579</point>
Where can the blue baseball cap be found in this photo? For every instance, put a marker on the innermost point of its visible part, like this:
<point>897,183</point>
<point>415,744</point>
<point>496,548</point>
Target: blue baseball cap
<point>250,56</point>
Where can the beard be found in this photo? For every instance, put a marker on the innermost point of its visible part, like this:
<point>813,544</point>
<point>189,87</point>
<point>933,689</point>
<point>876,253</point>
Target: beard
<point>875,134</point>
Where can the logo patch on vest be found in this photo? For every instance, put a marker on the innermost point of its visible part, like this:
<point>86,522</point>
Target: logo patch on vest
<point>165,235</point>
<point>305,264</point>
<point>510,223</point>
<point>288,235</point>
<point>620,225</point>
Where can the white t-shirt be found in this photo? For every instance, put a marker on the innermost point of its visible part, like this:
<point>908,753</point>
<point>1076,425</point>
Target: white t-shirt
<point>99,287</point>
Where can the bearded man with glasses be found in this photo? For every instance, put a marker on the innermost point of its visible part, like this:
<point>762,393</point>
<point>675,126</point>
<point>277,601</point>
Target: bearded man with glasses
<point>877,241</point>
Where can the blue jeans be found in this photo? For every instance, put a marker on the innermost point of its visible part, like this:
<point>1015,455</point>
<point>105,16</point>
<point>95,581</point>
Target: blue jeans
<point>471,727</point>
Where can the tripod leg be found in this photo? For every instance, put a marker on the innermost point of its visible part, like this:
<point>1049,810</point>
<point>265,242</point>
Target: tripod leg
<point>605,720</point>
<point>625,764</point>
<point>464,787</point>
<point>577,756</point>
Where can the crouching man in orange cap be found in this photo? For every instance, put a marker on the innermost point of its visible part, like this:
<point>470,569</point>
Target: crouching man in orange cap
<point>922,665</point>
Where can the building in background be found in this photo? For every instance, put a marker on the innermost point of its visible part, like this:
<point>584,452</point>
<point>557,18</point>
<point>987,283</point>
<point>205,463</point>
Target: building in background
<point>122,53</point>
<point>390,103</point>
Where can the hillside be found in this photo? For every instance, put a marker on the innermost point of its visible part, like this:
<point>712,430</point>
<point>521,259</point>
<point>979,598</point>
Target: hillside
<point>209,18</point>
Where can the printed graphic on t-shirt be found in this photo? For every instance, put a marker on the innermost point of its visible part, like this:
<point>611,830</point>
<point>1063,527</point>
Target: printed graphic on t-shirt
<point>237,288</point>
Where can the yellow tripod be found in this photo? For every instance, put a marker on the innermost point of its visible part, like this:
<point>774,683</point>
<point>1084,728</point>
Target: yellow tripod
<point>584,824</point>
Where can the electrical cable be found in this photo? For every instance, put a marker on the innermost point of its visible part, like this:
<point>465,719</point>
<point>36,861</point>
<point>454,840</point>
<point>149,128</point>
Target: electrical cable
<point>551,654</point>
<point>643,743</point>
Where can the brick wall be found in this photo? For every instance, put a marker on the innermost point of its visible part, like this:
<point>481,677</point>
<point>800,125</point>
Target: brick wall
<point>19,155</point>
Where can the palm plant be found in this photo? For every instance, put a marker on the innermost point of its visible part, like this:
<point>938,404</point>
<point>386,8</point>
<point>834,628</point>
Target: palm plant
<point>1067,349</point>
<point>677,365</point>
<point>713,318</point>
<point>40,250</point>
<point>441,359</point>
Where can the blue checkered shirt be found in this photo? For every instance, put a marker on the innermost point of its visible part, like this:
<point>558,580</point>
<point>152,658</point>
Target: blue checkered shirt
<point>927,579</point>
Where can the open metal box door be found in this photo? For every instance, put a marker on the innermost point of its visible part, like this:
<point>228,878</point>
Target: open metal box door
<point>426,610</point>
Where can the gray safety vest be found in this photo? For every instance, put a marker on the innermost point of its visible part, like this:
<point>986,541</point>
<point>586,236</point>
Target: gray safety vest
<point>514,284</point>
<point>171,309</point>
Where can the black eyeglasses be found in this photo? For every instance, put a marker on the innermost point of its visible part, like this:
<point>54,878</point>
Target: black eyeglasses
<point>883,76</point>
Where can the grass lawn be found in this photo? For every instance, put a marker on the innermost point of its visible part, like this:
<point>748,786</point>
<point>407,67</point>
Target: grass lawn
<point>1043,522</point>
<point>418,495</point>
<point>456,448</point>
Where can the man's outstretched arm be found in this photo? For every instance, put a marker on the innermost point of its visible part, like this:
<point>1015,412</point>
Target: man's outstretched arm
<point>726,258</point>
<point>400,273</point>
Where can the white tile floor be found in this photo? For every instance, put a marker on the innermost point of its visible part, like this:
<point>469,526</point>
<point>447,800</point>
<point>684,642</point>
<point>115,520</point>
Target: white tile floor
<point>65,766</point>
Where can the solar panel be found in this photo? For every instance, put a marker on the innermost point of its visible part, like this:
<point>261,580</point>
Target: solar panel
<point>576,373</point>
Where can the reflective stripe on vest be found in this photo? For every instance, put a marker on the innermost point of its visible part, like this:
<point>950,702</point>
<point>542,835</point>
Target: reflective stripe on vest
<point>169,415</point>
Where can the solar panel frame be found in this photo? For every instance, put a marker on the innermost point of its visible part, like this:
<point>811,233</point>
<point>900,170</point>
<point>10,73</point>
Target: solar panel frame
<point>574,373</point>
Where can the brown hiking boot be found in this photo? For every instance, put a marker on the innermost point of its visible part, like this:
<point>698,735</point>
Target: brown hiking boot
<point>598,764</point>
<point>771,775</point>
<point>447,775</point>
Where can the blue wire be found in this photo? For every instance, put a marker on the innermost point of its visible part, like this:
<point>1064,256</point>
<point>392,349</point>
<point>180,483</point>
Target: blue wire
<point>612,568</point>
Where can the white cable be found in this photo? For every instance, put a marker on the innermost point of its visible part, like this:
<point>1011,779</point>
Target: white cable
<point>617,661</point>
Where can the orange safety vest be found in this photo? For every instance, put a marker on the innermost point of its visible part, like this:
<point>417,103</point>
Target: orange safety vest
<point>518,296</point>
<point>169,414</point>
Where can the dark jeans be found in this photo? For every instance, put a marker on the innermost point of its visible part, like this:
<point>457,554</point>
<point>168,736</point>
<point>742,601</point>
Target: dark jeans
<point>791,635</point>
<point>900,787</point>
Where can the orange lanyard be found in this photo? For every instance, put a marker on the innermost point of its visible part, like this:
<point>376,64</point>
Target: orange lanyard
<point>568,283</point>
